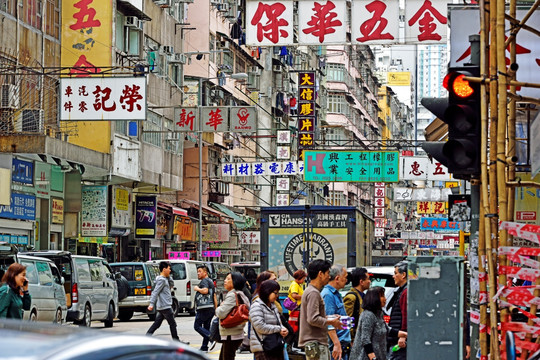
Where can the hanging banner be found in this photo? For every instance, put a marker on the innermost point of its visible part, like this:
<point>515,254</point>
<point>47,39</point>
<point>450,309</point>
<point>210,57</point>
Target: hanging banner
<point>94,211</point>
<point>121,207</point>
<point>145,216</point>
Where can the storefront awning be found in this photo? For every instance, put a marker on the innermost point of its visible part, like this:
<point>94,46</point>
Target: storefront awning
<point>239,220</point>
<point>223,216</point>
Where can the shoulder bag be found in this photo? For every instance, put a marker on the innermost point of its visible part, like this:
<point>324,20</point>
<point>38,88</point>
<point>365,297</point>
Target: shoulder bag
<point>272,343</point>
<point>238,315</point>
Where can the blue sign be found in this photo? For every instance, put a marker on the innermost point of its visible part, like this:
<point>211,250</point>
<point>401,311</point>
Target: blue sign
<point>13,239</point>
<point>5,238</point>
<point>22,171</point>
<point>438,225</point>
<point>22,207</point>
<point>23,240</point>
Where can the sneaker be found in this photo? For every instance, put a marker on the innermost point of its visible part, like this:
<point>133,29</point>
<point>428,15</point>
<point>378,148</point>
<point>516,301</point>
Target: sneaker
<point>243,349</point>
<point>211,345</point>
<point>183,342</point>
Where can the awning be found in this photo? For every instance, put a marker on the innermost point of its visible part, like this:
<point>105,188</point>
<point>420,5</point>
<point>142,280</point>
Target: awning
<point>239,220</point>
<point>225,217</point>
<point>175,210</point>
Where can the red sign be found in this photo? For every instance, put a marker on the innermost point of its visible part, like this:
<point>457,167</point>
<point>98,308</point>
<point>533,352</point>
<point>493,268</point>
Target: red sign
<point>525,215</point>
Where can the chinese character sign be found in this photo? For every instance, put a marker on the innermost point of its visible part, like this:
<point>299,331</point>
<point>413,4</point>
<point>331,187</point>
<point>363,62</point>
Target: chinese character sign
<point>351,166</point>
<point>269,23</point>
<point>103,98</point>
<point>214,118</point>
<point>376,22</point>
<point>322,22</point>
<point>421,168</point>
<point>425,21</point>
<point>179,255</point>
<point>94,211</point>
<point>306,109</point>
<point>250,237</point>
<point>438,225</point>
<point>186,119</point>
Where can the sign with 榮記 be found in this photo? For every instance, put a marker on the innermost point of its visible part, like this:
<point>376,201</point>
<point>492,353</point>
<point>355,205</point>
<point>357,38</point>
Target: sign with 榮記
<point>271,23</point>
<point>351,166</point>
<point>106,98</point>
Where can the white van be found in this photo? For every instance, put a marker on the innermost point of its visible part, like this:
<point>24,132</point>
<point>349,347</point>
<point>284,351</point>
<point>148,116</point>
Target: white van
<point>184,276</point>
<point>46,287</point>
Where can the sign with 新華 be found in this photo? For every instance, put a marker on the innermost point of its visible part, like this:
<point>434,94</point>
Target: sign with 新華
<point>351,166</point>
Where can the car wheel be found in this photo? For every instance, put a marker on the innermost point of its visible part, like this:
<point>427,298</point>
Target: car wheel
<point>125,315</point>
<point>33,316</point>
<point>110,317</point>
<point>58,317</point>
<point>86,320</point>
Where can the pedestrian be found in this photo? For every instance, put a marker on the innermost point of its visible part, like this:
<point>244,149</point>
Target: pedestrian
<point>296,288</point>
<point>205,301</point>
<point>313,321</point>
<point>340,343</point>
<point>264,317</point>
<point>14,296</point>
<point>231,338</point>
<point>370,342</point>
<point>398,314</point>
<point>360,282</point>
<point>162,300</point>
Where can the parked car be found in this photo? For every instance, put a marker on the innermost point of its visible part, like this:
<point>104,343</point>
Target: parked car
<point>89,284</point>
<point>218,271</point>
<point>184,276</point>
<point>46,288</point>
<point>8,256</point>
<point>141,277</point>
<point>25,341</point>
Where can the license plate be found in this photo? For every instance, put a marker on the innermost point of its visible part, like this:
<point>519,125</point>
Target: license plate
<point>140,291</point>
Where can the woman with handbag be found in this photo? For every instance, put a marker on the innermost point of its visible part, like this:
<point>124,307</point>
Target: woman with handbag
<point>294,299</point>
<point>268,342</point>
<point>233,314</point>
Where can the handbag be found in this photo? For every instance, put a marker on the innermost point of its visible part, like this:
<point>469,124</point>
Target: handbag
<point>289,304</point>
<point>238,315</point>
<point>214,331</point>
<point>272,343</point>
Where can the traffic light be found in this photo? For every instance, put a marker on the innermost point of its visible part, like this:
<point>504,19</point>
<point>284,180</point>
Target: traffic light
<point>461,111</point>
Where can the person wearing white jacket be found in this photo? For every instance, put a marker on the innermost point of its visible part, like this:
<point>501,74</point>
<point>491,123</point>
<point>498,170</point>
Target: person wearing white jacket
<point>265,320</point>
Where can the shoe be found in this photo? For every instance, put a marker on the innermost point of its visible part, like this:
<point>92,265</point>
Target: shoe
<point>211,345</point>
<point>243,349</point>
<point>184,342</point>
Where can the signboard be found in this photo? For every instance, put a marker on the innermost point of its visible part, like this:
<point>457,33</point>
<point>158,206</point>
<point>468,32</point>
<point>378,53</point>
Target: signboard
<point>307,117</point>
<point>94,211</point>
<point>273,168</point>
<point>250,237</point>
<point>103,98</point>
<point>459,207</point>
<point>214,118</point>
<point>425,194</point>
<point>186,118</point>
<point>121,207</point>
<point>430,207</point>
<point>243,119</point>
<point>145,216</point>
<point>179,255</point>
<point>57,206</point>
<point>525,215</point>
<point>422,168</point>
<point>351,166</point>
<point>211,253</point>
<point>282,200</point>
<point>216,232</point>
<point>183,227</point>
<point>22,171</point>
<point>402,78</point>
<point>438,225</point>
<point>22,207</point>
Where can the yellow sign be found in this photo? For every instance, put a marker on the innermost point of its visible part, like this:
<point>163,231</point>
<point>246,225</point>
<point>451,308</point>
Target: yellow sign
<point>431,207</point>
<point>57,211</point>
<point>399,78</point>
<point>93,240</point>
<point>451,184</point>
<point>122,199</point>
<point>86,50</point>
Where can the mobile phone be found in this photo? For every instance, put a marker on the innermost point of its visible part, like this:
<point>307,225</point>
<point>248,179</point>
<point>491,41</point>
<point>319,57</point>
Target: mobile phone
<point>25,282</point>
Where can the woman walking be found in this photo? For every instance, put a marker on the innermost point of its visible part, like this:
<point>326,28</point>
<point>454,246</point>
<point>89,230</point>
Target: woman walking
<point>231,337</point>
<point>264,317</point>
<point>14,296</point>
<point>370,341</point>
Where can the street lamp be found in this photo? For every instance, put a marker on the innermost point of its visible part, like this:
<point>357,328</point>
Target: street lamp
<point>237,76</point>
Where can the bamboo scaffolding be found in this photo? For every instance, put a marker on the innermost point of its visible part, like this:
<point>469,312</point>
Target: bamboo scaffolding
<point>516,26</point>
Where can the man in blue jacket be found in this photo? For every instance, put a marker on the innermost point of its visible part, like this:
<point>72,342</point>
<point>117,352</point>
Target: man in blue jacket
<point>162,299</point>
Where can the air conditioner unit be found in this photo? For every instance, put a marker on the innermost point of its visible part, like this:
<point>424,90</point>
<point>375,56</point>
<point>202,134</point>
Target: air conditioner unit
<point>223,44</point>
<point>131,21</point>
<point>178,58</point>
<point>168,49</point>
<point>255,70</point>
<point>9,96</point>
<point>223,7</point>
<point>232,14</point>
<point>277,68</point>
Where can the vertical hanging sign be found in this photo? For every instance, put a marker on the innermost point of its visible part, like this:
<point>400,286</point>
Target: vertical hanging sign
<point>145,217</point>
<point>306,111</point>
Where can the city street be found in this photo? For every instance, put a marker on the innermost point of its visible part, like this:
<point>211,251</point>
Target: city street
<point>140,323</point>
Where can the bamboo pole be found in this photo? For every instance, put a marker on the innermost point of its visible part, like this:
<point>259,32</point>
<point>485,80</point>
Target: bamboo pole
<point>520,25</point>
<point>491,220</point>
<point>510,82</point>
<point>523,183</point>
<point>524,99</point>
<point>501,138</point>
<point>483,228</point>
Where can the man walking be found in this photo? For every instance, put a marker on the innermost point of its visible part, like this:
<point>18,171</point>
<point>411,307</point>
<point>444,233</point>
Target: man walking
<point>333,304</point>
<point>204,301</point>
<point>398,315</point>
<point>313,321</point>
<point>162,299</point>
<point>353,300</point>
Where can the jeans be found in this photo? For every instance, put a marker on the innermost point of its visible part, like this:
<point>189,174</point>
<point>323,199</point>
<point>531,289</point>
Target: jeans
<point>203,319</point>
<point>169,316</point>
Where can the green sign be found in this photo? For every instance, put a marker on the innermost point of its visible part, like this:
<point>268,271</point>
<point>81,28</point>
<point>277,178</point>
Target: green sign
<point>351,166</point>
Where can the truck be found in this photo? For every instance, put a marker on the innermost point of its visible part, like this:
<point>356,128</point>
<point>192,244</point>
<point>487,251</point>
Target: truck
<point>292,236</point>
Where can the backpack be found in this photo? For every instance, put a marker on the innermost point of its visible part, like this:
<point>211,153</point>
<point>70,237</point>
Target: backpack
<point>356,310</point>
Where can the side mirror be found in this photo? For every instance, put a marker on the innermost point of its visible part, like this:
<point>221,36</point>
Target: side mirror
<point>62,280</point>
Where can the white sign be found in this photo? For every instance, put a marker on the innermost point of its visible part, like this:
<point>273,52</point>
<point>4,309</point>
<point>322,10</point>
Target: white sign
<point>379,232</point>
<point>283,184</point>
<point>369,29</point>
<point>425,21</point>
<point>214,118</point>
<point>283,137</point>
<point>186,118</point>
<point>283,152</point>
<point>465,22</point>
<point>231,252</point>
<point>94,211</point>
<point>274,168</point>
<point>421,168</point>
<point>282,200</point>
<point>243,119</point>
<point>250,237</point>
<point>426,194</point>
<point>310,30</point>
<point>107,98</point>
<point>269,23</point>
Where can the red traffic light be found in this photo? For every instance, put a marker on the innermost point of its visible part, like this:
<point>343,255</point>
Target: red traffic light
<point>456,84</point>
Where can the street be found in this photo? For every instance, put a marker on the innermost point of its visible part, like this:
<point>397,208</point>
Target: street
<point>140,323</point>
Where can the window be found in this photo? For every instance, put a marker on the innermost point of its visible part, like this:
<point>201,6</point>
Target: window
<point>337,104</point>
<point>152,123</point>
<point>178,271</point>
<point>96,273</point>
<point>173,142</point>
<point>44,273</point>
<point>31,272</point>
<point>83,269</point>
<point>335,72</point>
